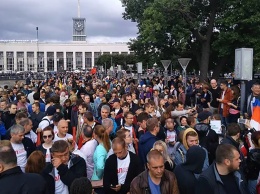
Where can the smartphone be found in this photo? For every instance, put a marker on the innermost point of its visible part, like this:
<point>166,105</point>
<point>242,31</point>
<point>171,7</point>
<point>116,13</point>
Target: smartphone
<point>242,121</point>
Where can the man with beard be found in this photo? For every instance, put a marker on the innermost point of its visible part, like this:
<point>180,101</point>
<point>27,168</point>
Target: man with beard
<point>223,175</point>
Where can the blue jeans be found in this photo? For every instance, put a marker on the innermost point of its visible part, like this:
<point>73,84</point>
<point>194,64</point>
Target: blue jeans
<point>224,120</point>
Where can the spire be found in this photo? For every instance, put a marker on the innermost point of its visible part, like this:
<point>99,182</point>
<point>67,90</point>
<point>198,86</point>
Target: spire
<point>78,9</point>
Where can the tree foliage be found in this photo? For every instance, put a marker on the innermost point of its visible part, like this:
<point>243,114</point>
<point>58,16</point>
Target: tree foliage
<point>108,60</point>
<point>208,31</point>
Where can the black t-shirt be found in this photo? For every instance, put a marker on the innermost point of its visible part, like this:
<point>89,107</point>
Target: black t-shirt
<point>215,94</point>
<point>230,184</point>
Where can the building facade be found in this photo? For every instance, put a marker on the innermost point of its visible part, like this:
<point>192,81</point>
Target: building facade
<point>37,56</point>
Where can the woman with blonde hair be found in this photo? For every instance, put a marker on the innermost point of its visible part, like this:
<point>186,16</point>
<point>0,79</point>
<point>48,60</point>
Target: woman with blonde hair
<point>162,147</point>
<point>101,151</point>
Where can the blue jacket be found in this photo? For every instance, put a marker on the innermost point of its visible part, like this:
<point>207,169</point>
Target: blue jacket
<point>2,130</point>
<point>146,142</point>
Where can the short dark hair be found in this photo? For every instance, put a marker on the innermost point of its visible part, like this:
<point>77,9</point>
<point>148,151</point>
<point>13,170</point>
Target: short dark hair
<point>151,124</point>
<point>119,141</point>
<point>59,146</point>
<point>87,131</point>
<point>233,129</point>
<point>36,96</point>
<point>89,116</point>
<point>143,116</point>
<point>155,154</point>
<point>36,104</point>
<point>81,186</point>
<point>224,151</point>
<point>7,153</point>
<point>224,82</point>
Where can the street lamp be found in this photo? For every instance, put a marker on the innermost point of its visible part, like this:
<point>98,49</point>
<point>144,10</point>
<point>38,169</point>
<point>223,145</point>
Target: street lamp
<point>130,67</point>
<point>184,64</point>
<point>165,64</point>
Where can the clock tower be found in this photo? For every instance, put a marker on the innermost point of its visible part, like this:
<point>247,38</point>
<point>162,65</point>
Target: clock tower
<point>79,31</point>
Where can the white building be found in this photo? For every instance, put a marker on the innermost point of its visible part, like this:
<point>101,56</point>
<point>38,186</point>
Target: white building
<point>35,56</point>
<point>22,55</point>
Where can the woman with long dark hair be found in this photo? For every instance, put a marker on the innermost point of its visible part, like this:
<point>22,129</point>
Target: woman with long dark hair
<point>47,136</point>
<point>234,110</point>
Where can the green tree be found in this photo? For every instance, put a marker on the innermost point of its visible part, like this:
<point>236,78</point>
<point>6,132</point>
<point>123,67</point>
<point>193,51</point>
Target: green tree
<point>108,60</point>
<point>207,30</point>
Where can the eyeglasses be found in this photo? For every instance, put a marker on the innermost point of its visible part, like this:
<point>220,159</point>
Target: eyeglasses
<point>47,136</point>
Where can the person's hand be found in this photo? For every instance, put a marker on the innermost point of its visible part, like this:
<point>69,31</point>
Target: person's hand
<point>56,162</point>
<point>68,120</point>
<point>117,188</point>
<point>230,104</point>
<point>247,124</point>
<point>113,114</point>
<point>136,140</point>
<point>167,140</point>
<point>38,130</point>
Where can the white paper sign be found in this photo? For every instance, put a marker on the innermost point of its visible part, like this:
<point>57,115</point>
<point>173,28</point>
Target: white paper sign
<point>216,126</point>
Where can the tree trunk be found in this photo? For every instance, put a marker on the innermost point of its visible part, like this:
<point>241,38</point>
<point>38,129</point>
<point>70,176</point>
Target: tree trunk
<point>204,64</point>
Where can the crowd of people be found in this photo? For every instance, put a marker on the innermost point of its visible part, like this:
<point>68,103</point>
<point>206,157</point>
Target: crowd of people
<point>77,134</point>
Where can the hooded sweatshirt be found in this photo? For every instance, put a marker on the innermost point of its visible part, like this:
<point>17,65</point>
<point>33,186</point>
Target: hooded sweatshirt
<point>185,172</point>
<point>146,142</point>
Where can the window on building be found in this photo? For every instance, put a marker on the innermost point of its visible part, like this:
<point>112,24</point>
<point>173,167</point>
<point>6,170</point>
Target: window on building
<point>79,62</point>
<point>69,58</point>
<point>10,61</point>
<point>30,61</point>
<point>20,61</point>
<point>50,61</point>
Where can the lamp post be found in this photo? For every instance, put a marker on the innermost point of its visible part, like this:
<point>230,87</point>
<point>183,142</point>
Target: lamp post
<point>184,64</point>
<point>165,64</point>
<point>130,67</point>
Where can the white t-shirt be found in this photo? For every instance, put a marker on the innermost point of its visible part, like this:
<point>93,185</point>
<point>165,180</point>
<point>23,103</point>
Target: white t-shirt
<point>222,98</point>
<point>21,155</point>
<point>88,150</point>
<point>171,135</point>
<point>48,154</point>
<point>67,136</point>
<point>60,187</point>
<point>122,169</point>
<point>55,129</point>
<point>32,136</point>
<point>44,123</point>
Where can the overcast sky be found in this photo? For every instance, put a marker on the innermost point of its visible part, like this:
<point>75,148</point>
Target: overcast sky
<point>104,22</point>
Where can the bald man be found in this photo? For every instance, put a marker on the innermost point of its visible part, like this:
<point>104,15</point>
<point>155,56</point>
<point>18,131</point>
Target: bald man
<point>62,131</point>
<point>215,92</point>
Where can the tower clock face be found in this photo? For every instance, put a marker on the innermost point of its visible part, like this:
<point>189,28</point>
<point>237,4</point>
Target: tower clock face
<point>79,25</point>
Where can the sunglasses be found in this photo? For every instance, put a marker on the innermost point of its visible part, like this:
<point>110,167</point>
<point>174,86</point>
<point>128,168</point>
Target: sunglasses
<point>47,136</point>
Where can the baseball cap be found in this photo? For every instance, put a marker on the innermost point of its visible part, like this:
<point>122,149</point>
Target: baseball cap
<point>50,111</point>
<point>204,115</point>
<point>115,100</point>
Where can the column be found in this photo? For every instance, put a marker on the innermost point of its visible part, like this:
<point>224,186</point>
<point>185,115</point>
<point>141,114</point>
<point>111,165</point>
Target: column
<point>25,61</point>
<point>55,61</point>
<point>93,59</point>
<point>45,61</point>
<point>15,61</point>
<point>65,61</point>
<point>5,61</point>
<point>83,61</point>
<point>35,61</point>
<point>74,60</point>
